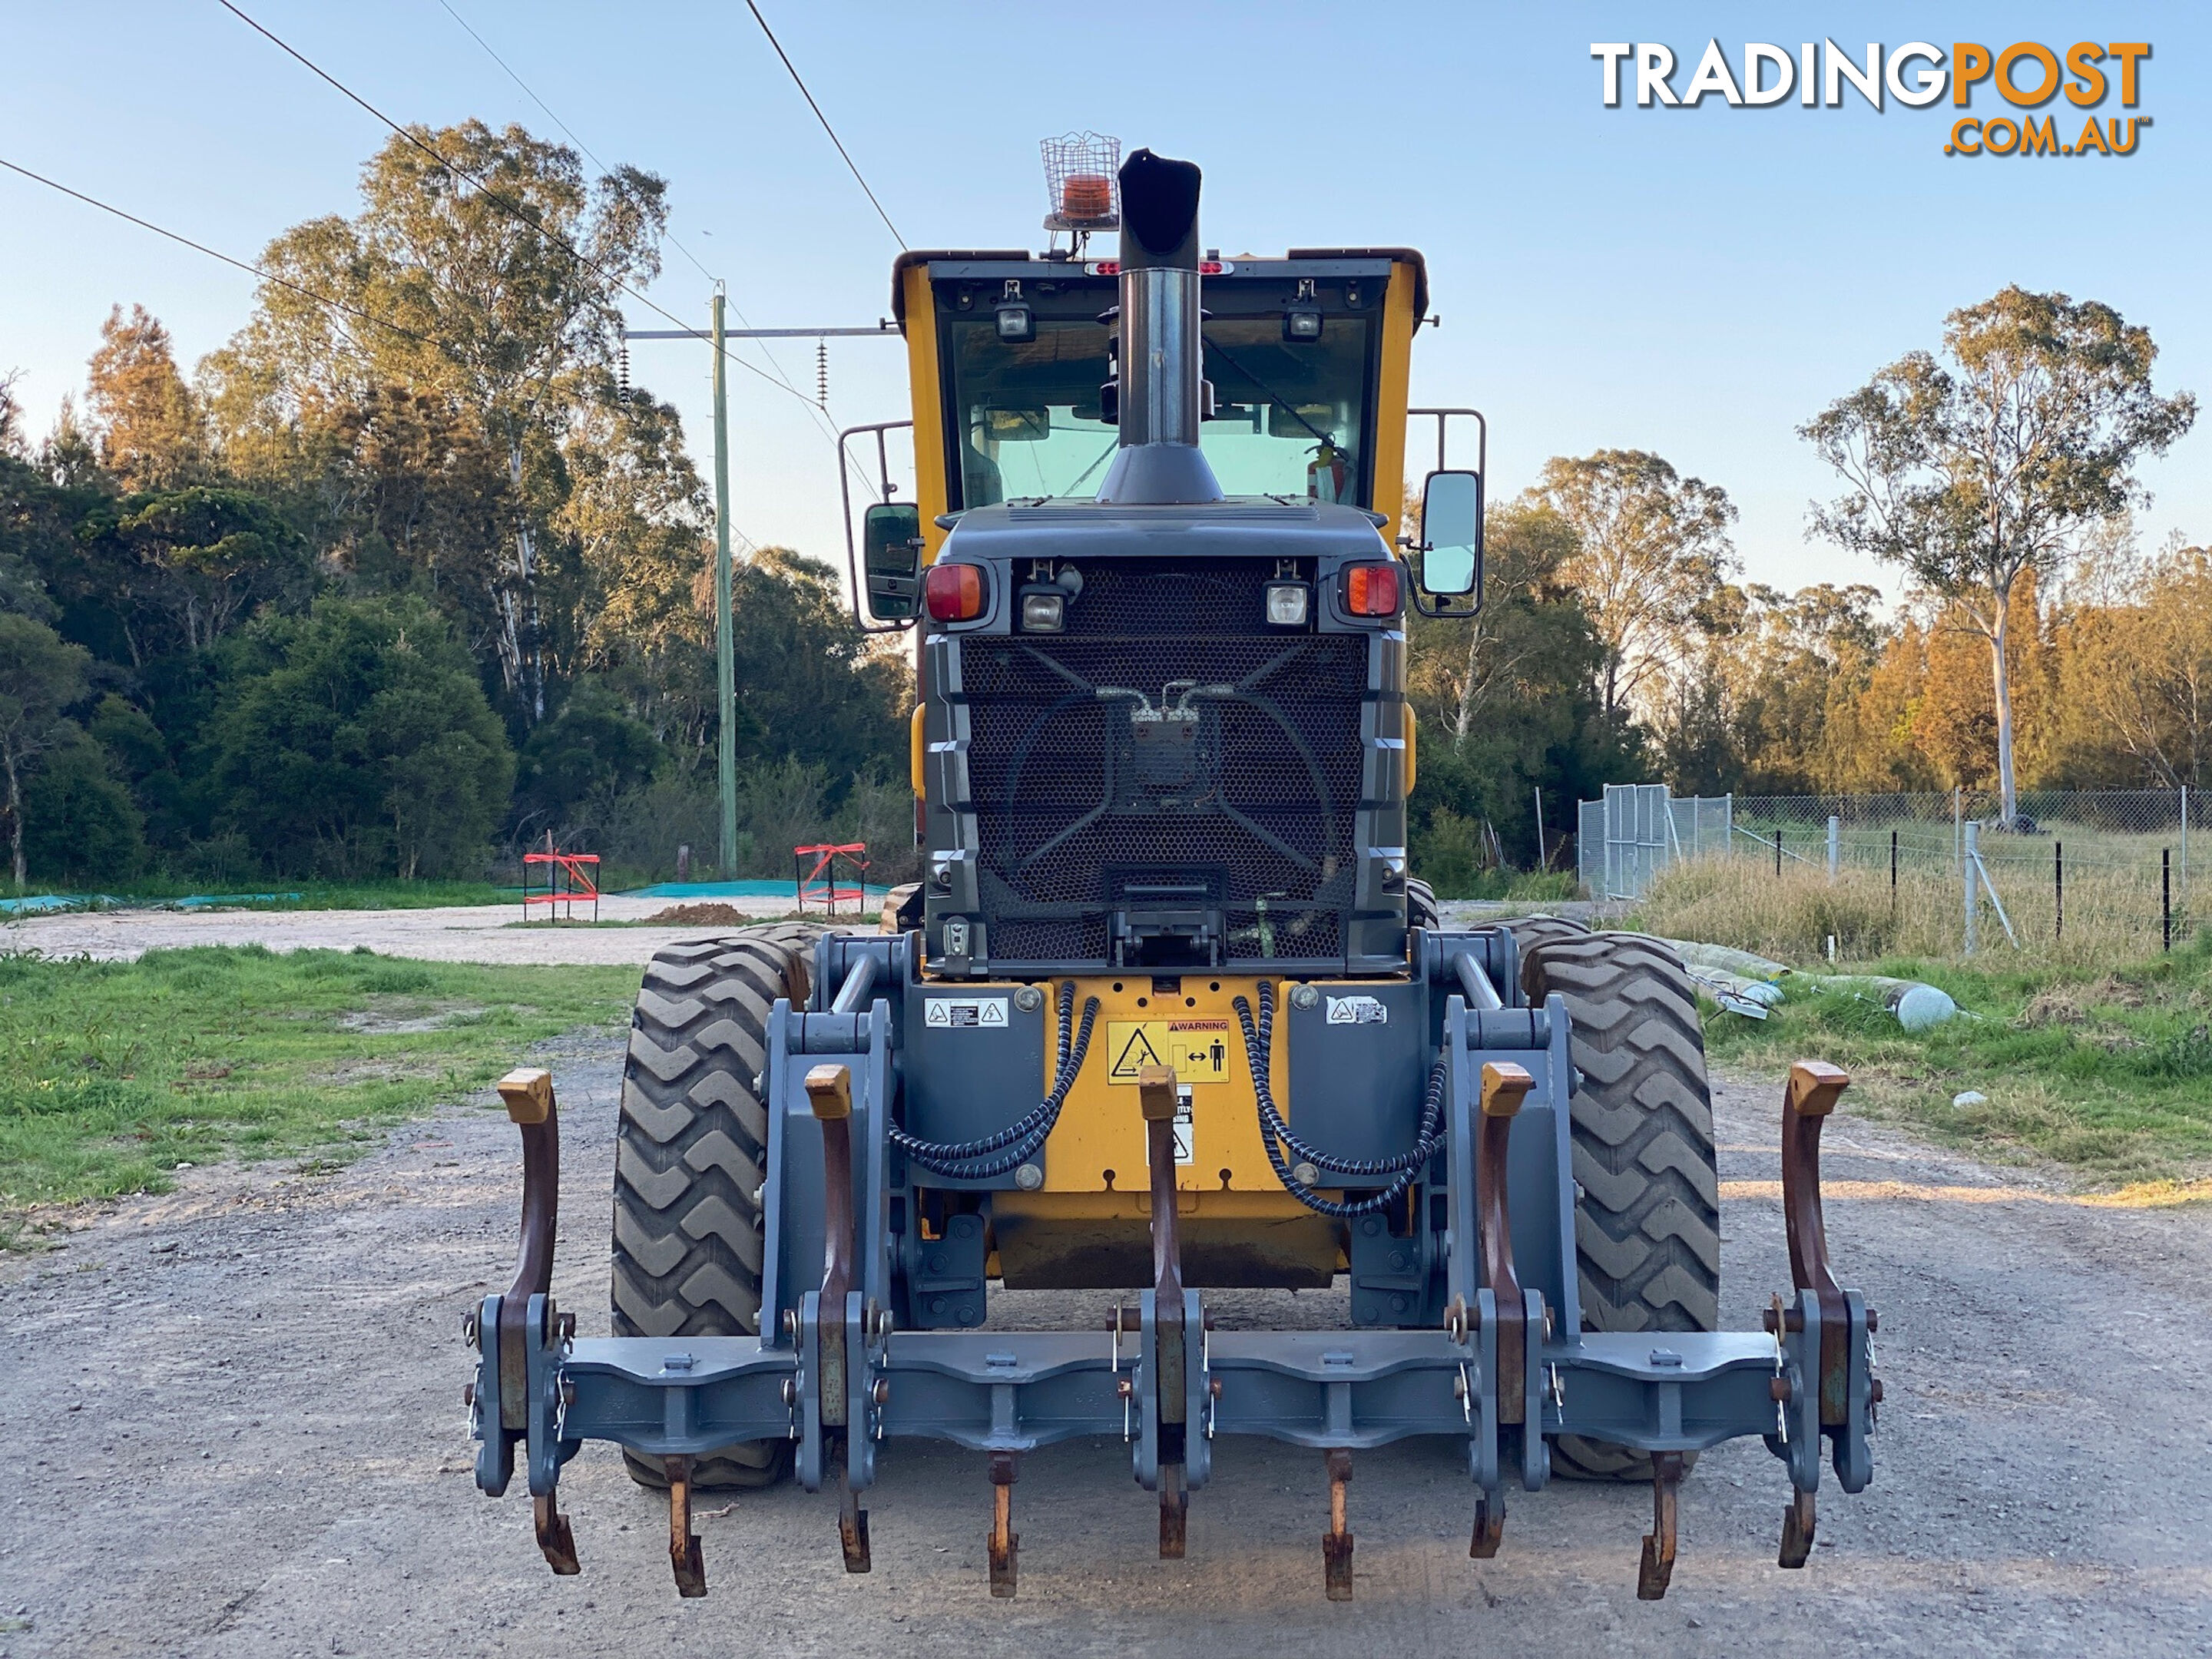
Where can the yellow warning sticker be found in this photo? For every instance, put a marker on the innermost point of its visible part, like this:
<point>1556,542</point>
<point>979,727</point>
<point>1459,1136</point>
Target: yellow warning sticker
<point>1198,1049</point>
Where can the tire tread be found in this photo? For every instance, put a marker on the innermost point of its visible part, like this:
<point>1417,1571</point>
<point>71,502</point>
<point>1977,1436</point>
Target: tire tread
<point>690,1154</point>
<point>1647,1214</point>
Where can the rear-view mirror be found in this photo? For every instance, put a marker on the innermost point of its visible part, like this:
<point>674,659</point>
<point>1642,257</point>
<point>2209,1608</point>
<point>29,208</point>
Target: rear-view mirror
<point>1451,534</point>
<point>890,557</point>
<point>1017,425</point>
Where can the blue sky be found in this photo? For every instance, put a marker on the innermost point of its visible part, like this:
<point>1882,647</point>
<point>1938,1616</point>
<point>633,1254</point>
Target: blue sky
<point>1692,282</point>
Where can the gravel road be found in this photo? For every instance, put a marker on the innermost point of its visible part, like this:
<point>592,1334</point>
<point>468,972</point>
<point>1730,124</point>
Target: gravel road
<point>482,932</point>
<point>475,932</point>
<point>235,1428</point>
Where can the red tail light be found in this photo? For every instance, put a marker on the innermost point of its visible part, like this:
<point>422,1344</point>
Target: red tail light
<point>1371,590</point>
<point>954,593</point>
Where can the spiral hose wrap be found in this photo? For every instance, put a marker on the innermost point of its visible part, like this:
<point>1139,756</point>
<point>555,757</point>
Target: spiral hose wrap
<point>1020,1141</point>
<point>1275,1134</point>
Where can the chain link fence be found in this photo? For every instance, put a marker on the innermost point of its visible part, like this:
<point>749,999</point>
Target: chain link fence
<point>2075,873</point>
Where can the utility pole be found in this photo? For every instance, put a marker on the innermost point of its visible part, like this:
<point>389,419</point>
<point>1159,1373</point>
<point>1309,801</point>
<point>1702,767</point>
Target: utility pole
<point>725,674</point>
<point>726,668</point>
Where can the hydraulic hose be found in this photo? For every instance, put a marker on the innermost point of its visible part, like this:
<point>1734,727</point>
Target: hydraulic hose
<point>1275,1134</point>
<point>1019,1142</point>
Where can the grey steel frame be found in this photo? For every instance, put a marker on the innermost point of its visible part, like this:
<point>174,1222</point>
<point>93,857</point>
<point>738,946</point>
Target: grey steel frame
<point>1009,1392</point>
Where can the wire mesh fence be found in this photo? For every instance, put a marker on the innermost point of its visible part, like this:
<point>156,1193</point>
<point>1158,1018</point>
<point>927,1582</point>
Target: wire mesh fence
<point>2082,875</point>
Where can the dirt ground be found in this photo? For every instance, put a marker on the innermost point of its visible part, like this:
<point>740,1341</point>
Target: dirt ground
<point>475,932</point>
<point>482,932</point>
<point>236,1429</point>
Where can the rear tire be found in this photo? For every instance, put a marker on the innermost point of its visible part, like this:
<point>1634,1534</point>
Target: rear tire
<point>1647,1190</point>
<point>1421,909</point>
<point>1530,932</point>
<point>691,1152</point>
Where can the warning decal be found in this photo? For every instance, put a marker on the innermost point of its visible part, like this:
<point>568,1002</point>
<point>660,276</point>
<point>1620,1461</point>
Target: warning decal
<point>974,1013</point>
<point>1198,1049</point>
<point>1358,1011</point>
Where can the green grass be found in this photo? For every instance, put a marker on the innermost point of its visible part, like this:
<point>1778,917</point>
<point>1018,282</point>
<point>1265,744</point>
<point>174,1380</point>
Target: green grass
<point>2109,1072</point>
<point>113,1074</point>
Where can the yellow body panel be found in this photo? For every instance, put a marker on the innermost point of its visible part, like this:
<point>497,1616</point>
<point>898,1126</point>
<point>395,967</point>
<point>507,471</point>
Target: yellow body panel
<point>1119,1206</point>
<point>1098,1145</point>
<point>1392,393</point>
<point>928,407</point>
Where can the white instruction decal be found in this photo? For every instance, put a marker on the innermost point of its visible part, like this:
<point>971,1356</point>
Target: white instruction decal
<point>974,1013</point>
<point>1186,1147</point>
<point>1358,1011</point>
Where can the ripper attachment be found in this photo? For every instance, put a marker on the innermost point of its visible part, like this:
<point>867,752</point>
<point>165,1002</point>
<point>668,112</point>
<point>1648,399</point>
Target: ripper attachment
<point>1823,1384</point>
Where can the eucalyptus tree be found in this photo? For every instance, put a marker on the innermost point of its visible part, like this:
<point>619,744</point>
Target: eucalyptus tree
<point>41,674</point>
<point>1652,551</point>
<point>477,343</point>
<point>1994,463</point>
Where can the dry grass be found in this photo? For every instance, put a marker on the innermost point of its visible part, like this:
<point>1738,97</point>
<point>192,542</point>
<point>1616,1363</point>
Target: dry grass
<point>1791,917</point>
<point>2111,911</point>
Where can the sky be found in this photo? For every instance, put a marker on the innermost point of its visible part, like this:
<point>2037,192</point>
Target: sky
<point>1696,282</point>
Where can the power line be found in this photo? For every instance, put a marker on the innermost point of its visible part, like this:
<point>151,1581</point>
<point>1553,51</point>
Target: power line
<point>824,119</point>
<point>200,247</point>
<point>552,116</point>
<point>512,208</point>
<point>469,30</point>
<point>516,211</point>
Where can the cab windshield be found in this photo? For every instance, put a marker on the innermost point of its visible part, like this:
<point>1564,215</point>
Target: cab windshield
<point>1290,417</point>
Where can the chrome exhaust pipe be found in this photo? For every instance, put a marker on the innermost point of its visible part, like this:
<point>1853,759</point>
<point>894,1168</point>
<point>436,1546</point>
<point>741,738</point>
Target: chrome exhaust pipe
<point>1159,389</point>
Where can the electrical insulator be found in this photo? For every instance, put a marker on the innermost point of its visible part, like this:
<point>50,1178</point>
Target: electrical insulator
<point>822,374</point>
<point>622,370</point>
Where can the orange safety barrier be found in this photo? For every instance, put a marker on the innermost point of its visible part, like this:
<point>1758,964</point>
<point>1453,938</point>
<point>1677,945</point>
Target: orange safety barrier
<point>818,883</point>
<point>571,878</point>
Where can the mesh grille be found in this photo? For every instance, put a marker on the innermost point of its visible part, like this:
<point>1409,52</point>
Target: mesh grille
<point>1222,756</point>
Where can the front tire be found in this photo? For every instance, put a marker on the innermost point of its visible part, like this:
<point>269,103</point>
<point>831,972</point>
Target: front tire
<point>691,1153</point>
<point>1647,1188</point>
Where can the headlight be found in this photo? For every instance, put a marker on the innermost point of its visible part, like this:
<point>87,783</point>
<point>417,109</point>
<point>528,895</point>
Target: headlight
<point>1043,613</point>
<point>1287,603</point>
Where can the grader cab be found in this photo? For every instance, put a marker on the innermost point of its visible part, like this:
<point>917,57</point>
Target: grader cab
<point>1168,1015</point>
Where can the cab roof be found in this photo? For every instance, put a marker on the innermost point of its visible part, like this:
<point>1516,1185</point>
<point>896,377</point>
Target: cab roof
<point>1288,265</point>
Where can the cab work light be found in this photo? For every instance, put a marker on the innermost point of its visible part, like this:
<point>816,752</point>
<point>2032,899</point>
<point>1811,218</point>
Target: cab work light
<point>1370,590</point>
<point>955,592</point>
<point>1287,603</point>
<point>1044,612</point>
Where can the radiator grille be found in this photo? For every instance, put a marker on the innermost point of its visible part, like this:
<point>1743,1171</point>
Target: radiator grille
<point>1167,737</point>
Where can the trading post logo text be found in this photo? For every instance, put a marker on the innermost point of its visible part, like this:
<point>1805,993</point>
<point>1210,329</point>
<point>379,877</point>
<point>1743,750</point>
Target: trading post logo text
<point>2025,75</point>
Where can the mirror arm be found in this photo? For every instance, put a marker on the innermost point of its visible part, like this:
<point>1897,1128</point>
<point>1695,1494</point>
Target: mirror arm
<point>853,571</point>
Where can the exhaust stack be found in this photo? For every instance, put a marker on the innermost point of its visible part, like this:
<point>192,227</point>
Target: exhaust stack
<point>1162,368</point>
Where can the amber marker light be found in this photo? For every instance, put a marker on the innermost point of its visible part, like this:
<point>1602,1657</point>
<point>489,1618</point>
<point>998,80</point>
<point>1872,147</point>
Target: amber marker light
<point>954,593</point>
<point>1371,590</point>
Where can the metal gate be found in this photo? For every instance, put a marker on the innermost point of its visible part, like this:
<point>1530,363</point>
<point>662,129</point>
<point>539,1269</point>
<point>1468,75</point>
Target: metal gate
<point>1624,840</point>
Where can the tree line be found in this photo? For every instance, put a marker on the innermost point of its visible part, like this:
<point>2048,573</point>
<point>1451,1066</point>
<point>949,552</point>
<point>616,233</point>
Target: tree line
<point>2038,646</point>
<point>406,571</point>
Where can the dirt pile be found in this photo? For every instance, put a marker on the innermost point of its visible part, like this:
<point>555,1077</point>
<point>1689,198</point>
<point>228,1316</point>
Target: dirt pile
<point>700,915</point>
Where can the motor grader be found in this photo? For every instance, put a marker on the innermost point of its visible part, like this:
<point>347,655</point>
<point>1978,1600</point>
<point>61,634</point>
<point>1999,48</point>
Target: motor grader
<point>1167,1014</point>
